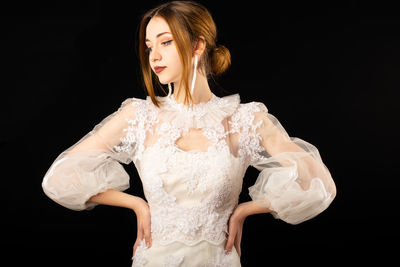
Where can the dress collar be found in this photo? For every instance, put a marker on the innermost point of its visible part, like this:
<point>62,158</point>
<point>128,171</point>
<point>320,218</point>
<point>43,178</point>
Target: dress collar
<point>202,115</point>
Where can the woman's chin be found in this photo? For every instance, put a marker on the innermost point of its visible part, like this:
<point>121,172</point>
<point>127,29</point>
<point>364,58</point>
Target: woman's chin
<point>164,81</point>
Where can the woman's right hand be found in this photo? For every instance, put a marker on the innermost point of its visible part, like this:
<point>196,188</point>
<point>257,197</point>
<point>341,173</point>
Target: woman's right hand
<point>142,211</point>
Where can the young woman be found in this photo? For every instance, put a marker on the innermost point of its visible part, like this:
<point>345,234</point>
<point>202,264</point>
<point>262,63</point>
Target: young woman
<point>191,149</point>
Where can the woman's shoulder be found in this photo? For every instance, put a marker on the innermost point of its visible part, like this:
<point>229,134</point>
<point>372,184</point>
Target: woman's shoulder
<point>130,105</point>
<point>133,101</point>
<point>252,107</point>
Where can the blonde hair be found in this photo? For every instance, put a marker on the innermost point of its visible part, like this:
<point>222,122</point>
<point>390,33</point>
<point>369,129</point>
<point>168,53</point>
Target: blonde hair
<point>188,21</point>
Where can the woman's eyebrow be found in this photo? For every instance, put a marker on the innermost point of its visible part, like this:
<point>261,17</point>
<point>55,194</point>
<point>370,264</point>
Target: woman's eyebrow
<point>158,35</point>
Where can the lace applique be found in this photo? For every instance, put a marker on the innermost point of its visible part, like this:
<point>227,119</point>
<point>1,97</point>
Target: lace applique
<point>202,115</point>
<point>211,180</point>
<point>222,259</point>
<point>133,141</point>
<point>202,179</point>
<point>138,259</point>
<point>172,261</point>
<point>242,123</point>
<point>216,136</point>
<point>207,220</point>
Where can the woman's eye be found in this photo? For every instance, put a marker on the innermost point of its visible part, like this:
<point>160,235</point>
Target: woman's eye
<point>167,42</point>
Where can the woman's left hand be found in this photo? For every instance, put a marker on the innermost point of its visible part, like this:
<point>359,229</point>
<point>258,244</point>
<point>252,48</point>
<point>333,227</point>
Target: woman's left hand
<point>235,228</point>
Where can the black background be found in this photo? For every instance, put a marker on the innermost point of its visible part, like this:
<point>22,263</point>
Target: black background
<point>330,73</point>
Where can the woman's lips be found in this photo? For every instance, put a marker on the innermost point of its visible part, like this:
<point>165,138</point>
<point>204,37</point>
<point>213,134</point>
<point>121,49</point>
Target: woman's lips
<point>159,69</point>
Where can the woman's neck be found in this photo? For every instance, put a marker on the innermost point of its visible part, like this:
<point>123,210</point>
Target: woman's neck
<point>201,92</point>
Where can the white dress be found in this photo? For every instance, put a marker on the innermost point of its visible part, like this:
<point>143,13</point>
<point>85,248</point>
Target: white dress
<point>191,162</point>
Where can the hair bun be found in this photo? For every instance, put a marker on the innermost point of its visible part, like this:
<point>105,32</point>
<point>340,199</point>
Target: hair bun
<point>220,59</point>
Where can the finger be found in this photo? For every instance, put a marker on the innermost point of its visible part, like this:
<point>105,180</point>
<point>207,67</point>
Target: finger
<point>139,238</point>
<point>137,242</point>
<point>147,235</point>
<point>231,239</point>
<point>140,235</point>
<point>238,238</point>
<point>146,228</point>
<point>237,245</point>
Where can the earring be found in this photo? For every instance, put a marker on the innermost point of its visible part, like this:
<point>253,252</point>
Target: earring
<point>169,89</point>
<point>194,74</point>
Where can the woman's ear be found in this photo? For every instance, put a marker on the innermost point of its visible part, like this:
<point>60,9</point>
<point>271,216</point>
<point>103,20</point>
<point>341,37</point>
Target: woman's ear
<point>199,46</point>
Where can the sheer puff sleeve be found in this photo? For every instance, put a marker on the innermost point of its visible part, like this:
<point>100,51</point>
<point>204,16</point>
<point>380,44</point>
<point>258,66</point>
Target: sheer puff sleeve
<point>293,181</point>
<point>92,165</point>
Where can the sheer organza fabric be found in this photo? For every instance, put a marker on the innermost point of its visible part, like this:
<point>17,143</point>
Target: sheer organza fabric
<point>294,182</point>
<point>91,165</point>
<point>192,161</point>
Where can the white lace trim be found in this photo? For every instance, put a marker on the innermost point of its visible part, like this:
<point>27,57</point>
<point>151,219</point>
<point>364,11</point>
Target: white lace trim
<point>172,261</point>
<point>139,260</point>
<point>203,115</point>
<point>222,259</point>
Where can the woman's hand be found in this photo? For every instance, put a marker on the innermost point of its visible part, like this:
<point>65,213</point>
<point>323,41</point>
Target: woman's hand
<point>142,211</point>
<point>235,228</point>
<point>236,223</point>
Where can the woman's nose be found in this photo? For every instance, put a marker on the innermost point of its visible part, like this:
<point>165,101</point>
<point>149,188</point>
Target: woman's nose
<point>155,55</point>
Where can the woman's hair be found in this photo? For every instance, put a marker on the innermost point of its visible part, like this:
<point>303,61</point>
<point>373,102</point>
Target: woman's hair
<point>188,22</point>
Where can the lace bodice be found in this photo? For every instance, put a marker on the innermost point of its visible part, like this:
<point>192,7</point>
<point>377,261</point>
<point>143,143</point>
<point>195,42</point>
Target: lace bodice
<point>191,161</point>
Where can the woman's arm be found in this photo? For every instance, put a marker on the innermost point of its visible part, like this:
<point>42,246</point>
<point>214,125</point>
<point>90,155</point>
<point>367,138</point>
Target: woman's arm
<point>116,198</point>
<point>294,184</point>
<point>248,208</point>
<point>93,164</point>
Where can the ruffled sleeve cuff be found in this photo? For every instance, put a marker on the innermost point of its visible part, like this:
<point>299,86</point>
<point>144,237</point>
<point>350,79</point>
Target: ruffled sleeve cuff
<point>279,189</point>
<point>75,178</point>
<point>294,182</point>
<point>93,164</point>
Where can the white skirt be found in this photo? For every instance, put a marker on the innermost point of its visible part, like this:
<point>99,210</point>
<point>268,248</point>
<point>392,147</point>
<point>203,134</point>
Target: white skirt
<point>203,254</point>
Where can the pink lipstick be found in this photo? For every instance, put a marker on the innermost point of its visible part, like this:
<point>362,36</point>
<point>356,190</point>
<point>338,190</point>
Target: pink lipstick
<point>159,69</point>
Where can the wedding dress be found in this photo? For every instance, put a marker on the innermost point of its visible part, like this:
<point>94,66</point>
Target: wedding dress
<point>191,161</point>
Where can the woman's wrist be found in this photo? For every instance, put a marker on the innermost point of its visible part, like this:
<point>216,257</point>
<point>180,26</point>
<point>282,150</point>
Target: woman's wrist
<point>136,203</point>
<point>248,208</point>
<point>114,197</point>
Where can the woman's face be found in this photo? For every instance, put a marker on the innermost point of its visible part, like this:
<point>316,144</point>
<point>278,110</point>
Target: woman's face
<point>162,51</point>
